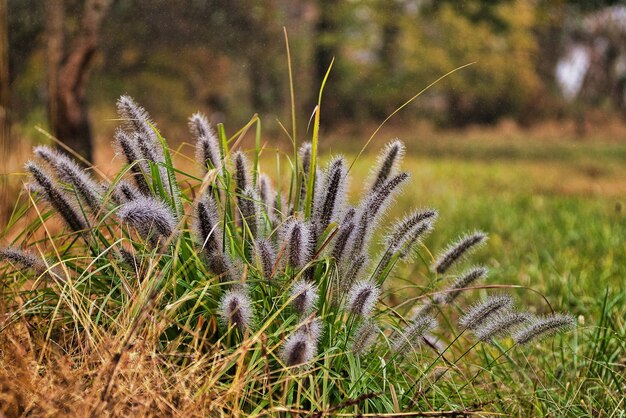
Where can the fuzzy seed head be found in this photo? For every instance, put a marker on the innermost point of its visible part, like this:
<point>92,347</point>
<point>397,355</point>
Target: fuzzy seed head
<point>128,148</point>
<point>207,143</point>
<point>415,237</point>
<point>457,250</point>
<point>148,149</point>
<point>388,163</point>
<point>266,193</point>
<point>151,218</point>
<point>266,257</point>
<point>298,350</point>
<point>370,211</point>
<point>464,281</point>
<point>482,312</point>
<point>199,126</point>
<point>332,194</point>
<point>206,226</point>
<point>404,229</point>
<point>545,326</point>
<point>74,219</point>
<point>312,328</point>
<point>364,337</point>
<point>305,157</point>
<point>135,117</point>
<point>363,297</point>
<point>413,333</point>
<point>343,236</point>
<point>71,173</point>
<point>236,309</point>
<point>299,245</point>
<point>249,207</point>
<point>23,259</point>
<point>502,324</point>
<point>125,192</point>
<point>304,296</point>
<point>351,274</point>
<point>242,170</point>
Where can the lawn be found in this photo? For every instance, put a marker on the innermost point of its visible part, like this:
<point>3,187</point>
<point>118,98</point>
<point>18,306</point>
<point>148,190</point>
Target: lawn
<point>557,222</point>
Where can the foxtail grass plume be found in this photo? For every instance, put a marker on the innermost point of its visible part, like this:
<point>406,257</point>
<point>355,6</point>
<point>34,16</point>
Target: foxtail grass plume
<point>362,298</point>
<point>479,314</point>
<point>415,237</point>
<point>145,138</point>
<point>206,225</point>
<point>465,280</point>
<point>128,257</point>
<point>501,325</point>
<point>304,296</point>
<point>312,326</point>
<point>305,156</point>
<point>128,149</point>
<point>152,219</point>
<point>299,243</point>
<point>236,309</point>
<point>23,259</point>
<point>135,118</point>
<point>207,143</point>
<point>387,164</point>
<point>125,192</point>
<point>299,349</point>
<point>457,250</point>
<point>364,337</point>
<point>59,201</point>
<point>242,171</point>
<point>147,148</point>
<point>266,257</point>
<point>249,209</point>
<point>352,273</point>
<point>343,236</point>
<point>545,326</point>
<point>208,232</point>
<point>69,172</point>
<point>370,210</point>
<point>266,194</point>
<point>332,194</point>
<point>403,230</point>
<point>412,335</point>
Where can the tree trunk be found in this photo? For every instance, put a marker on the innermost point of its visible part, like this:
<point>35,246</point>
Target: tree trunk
<point>68,105</point>
<point>5,97</point>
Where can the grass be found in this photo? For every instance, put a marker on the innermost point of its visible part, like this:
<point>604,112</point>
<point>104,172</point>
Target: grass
<point>557,229</point>
<point>556,215</point>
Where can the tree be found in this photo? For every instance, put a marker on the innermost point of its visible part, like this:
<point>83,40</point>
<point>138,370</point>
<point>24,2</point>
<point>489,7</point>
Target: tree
<point>68,73</point>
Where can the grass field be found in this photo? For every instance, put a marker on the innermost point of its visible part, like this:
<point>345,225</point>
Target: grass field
<point>556,216</point>
<point>557,222</point>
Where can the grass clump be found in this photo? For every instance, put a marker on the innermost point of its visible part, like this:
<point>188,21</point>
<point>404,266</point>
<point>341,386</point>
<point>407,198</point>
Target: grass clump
<point>249,298</point>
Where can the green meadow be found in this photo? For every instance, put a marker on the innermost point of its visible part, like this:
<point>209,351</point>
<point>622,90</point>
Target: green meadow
<point>555,213</point>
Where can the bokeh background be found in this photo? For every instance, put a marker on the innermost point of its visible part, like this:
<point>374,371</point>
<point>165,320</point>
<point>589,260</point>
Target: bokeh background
<point>528,143</point>
<point>537,63</point>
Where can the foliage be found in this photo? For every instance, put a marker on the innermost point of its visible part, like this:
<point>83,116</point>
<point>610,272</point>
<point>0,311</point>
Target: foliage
<point>269,298</point>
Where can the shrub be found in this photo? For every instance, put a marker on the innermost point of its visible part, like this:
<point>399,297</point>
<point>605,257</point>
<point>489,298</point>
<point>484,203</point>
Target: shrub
<point>275,292</point>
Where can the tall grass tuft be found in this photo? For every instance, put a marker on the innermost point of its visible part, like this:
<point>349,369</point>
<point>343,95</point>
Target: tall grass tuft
<point>268,298</point>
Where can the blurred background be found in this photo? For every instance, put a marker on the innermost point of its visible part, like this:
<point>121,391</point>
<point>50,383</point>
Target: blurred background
<point>528,143</point>
<point>538,62</point>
